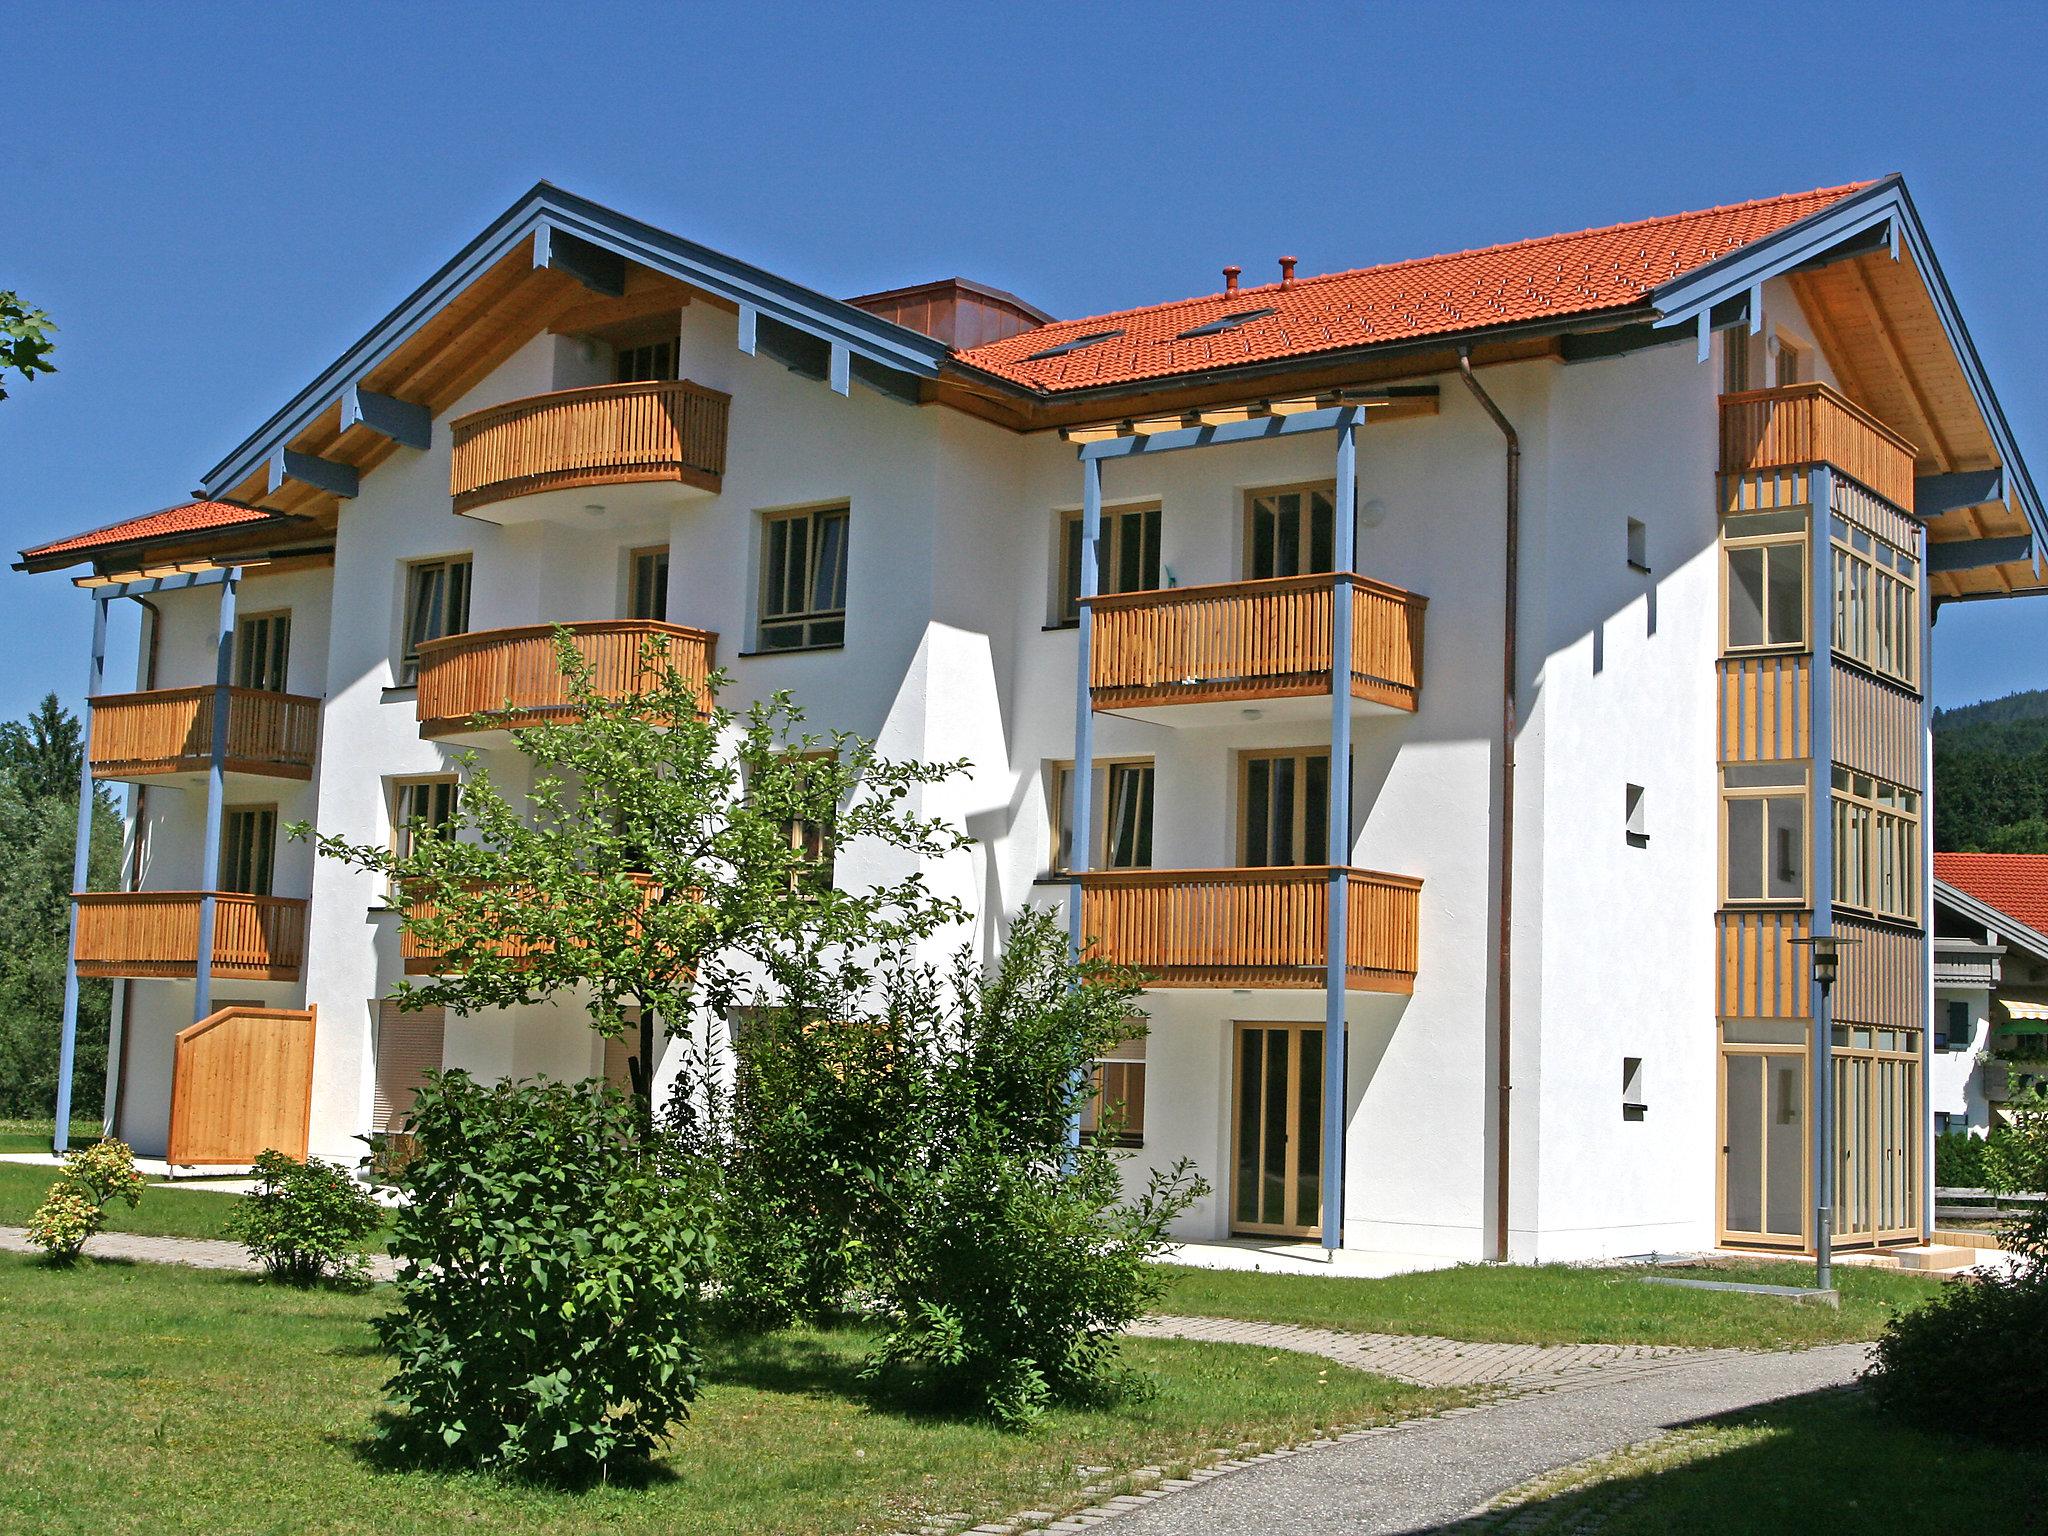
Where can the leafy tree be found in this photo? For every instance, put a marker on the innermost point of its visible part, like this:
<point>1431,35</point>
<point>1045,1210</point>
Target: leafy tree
<point>25,343</point>
<point>1991,776</point>
<point>667,854</point>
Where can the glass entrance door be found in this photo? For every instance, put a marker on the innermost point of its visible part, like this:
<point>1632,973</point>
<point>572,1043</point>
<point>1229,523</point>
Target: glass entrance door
<point>1877,1135</point>
<point>1276,1166</point>
<point>1763,1147</point>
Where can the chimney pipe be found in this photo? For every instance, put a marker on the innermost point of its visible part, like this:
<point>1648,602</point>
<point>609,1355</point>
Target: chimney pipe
<point>1230,276</point>
<point>1287,271</point>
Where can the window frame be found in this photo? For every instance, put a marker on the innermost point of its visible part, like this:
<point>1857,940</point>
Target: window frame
<point>808,620</point>
<point>1887,590</point>
<point>1298,832</point>
<point>232,819</point>
<point>1249,528</point>
<point>1734,542</point>
<point>1111,577</point>
<point>1126,1063</point>
<point>661,352</point>
<point>635,559</point>
<point>1800,794</point>
<point>409,640</point>
<point>276,650</point>
<point>1060,833</point>
<point>398,789</point>
<point>1859,810</point>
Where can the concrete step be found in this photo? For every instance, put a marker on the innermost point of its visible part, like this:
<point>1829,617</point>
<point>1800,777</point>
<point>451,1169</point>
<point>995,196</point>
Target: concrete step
<point>1940,1258</point>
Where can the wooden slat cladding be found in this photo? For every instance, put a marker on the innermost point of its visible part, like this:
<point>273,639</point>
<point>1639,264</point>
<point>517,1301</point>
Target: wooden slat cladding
<point>610,434</point>
<point>1763,974</point>
<point>1880,981</point>
<point>170,730</point>
<point>1253,640</point>
<point>1877,726</point>
<point>421,958</point>
<point>1766,708</point>
<point>1812,424</point>
<point>488,671</point>
<point>1852,503</point>
<point>156,933</point>
<point>1251,927</point>
<point>242,1084</point>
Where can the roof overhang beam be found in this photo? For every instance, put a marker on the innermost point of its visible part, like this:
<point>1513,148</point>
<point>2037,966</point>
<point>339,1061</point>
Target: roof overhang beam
<point>1292,417</point>
<point>403,421</point>
<point>329,475</point>
<point>146,583</point>
<point>1976,554</point>
<point>1937,495</point>
<point>599,270</point>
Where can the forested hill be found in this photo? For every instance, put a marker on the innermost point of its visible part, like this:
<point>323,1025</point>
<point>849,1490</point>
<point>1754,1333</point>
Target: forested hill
<point>1991,775</point>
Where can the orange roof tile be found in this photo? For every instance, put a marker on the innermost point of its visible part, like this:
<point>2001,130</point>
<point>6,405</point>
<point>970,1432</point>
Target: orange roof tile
<point>2015,883</point>
<point>186,517</point>
<point>1596,269</point>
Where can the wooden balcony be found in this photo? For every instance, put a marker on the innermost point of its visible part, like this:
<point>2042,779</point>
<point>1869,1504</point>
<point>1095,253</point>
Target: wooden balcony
<point>419,957</point>
<point>1251,927</point>
<point>499,679</point>
<point>612,434</point>
<point>1239,641</point>
<point>156,933</point>
<point>170,731</point>
<point>1800,424</point>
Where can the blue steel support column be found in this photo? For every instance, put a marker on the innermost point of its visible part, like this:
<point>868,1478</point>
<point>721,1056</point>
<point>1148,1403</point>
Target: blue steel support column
<point>216,785</point>
<point>1336,1099</point>
<point>1082,776</point>
<point>81,861</point>
<point>1821,877</point>
<point>1926,1114</point>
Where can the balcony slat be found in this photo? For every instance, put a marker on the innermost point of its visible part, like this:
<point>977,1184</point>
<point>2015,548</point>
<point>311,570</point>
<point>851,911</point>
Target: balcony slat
<point>170,730</point>
<point>1813,424</point>
<point>607,435</point>
<point>156,933</point>
<point>492,670</point>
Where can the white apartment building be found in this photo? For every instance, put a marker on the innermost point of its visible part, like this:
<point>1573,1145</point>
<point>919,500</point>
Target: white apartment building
<point>1560,497</point>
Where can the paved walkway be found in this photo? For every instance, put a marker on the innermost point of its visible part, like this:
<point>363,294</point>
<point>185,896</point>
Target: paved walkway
<point>198,1252</point>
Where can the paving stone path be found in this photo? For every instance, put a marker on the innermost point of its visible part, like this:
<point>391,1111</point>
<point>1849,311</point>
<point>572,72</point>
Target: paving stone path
<point>198,1252</point>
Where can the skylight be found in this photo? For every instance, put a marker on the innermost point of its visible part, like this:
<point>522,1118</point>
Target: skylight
<point>1227,323</point>
<point>1073,346</point>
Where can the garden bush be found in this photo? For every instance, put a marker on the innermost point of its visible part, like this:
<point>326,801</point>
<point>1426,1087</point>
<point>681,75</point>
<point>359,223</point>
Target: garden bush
<point>1959,1160</point>
<point>304,1221</point>
<point>551,1259</point>
<point>75,1207</point>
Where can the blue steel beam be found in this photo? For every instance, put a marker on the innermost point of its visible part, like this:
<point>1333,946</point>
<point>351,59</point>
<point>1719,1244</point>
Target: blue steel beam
<point>1257,430</point>
<point>81,871</point>
<point>403,421</point>
<point>1975,554</point>
<point>1082,777</point>
<point>311,469</point>
<point>147,586</point>
<point>1337,959</point>
<point>216,791</point>
<point>1935,495</point>
<point>599,270</point>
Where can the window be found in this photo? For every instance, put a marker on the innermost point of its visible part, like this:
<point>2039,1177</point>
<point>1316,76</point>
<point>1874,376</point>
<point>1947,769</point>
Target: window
<point>812,840</point>
<point>1764,576</point>
<point>262,647</point>
<point>1734,362</point>
<point>248,847</point>
<point>648,581</point>
<point>1876,602</point>
<point>1791,364</point>
<point>1290,531</point>
<point>1877,846</point>
<point>1638,544</point>
<point>1118,1101</point>
<point>1763,825</point>
<point>803,580</point>
<point>417,803</point>
<point>1285,816</point>
<point>1955,1031</point>
<point>1130,556</point>
<point>1635,816</point>
<point>408,1047</point>
<point>1634,1104</point>
<point>644,364</point>
<point>1122,818</point>
<point>436,604</point>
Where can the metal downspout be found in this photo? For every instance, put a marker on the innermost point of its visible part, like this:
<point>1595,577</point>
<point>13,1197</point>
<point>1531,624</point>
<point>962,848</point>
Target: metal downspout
<point>1504,1014</point>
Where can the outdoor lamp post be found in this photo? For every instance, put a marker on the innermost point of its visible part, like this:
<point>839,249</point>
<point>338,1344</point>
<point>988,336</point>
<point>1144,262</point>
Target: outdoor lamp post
<point>1827,963</point>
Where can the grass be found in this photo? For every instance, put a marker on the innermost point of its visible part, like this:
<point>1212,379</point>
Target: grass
<point>1560,1304</point>
<point>162,1213</point>
<point>34,1135</point>
<point>143,1397</point>
<point>1823,1465</point>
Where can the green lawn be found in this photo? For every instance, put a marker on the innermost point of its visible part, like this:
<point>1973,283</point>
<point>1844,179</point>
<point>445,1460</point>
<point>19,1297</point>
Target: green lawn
<point>162,1213</point>
<point>1559,1304</point>
<point>34,1135</point>
<point>146,1398</point>
<point>1824,1465</point>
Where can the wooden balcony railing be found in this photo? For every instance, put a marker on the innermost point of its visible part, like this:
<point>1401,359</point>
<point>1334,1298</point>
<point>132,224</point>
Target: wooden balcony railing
<point>491,671</point>
<point>170,730</point>
<point>1812,424</point>
<point>1253,640</point>
<point>156,933</point>
<point>423,958</point>
<point>1251,927</point>
<point>612,434</point>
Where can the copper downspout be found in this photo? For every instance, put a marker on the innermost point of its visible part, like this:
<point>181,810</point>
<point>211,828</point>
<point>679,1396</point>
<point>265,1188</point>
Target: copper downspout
<point>1503,1023</point>
<point>156,629</point>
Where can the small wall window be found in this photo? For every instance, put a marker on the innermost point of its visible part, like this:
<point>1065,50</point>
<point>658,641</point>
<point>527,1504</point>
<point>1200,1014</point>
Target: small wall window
<point>1634,1104</point>
<point>1877,846</point>
<point>813,841</point>
<point>1791,362</point>
<point>1118,1102</point>
<point>248,848</point>
<point>1638,544</point>
<point>1635,815</point>
<point>1954,1032</point>
<point>263,644</point>
<point>417,804</point>
<point>803,579</point>
<point>436,605</point>
<point>647,581</point>
<point>1763,833</point>
<point>1764,581</point>
<point>1130,556</point>
<point>1123,816</point>
<point>647,363</point>
<point>1735,375</point>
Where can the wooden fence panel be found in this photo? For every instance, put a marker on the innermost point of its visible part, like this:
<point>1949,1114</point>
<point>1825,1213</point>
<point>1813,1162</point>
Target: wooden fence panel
<point>242,1083</point>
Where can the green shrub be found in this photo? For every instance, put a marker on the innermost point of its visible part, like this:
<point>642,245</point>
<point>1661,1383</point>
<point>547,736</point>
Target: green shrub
<point>389,1155</point>
<point>65,1219</point>
<point>1959,1160</point>
<point>305,1220</point>
<point>551,1260</point>
<point>106,1171</point>
<point>1969,1361</point>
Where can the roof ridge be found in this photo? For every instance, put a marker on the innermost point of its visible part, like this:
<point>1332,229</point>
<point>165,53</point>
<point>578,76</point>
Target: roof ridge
<point>1300,283</point>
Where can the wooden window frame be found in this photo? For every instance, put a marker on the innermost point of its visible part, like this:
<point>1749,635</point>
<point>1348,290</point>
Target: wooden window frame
<point>1112,577</point>
<point>228,821</point>
<point>396,791</point>
<point>1895,821</point>
<point>1117,1076</point>
<point>808,621</point>
<point>409,640</point>
<point>659,370</point>
<point>1298,833</point>
<point>1106,769</point>
<point>1249,526</point>
<point>242,653</point>
<point>1297,1134</point>
<point>1888,588</point>
<point>1802,795</point>
<point>634,594</point>
<point>1734,541</point>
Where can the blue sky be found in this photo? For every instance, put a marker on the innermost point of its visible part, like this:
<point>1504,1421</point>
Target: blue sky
<point>212,200</point>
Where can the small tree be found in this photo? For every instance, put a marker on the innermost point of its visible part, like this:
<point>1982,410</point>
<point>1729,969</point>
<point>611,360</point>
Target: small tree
<point>305,1222</point>
<point>668,851</point>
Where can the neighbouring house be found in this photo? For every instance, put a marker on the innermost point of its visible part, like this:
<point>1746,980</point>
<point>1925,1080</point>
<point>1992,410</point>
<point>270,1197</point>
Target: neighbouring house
<point>1496,955</point>
<point>1990,986</point>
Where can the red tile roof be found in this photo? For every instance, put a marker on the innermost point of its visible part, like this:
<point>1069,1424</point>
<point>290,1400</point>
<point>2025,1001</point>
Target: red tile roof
<point>2015,883</point>
<point>1596,269</point>
<point>187,517</point>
